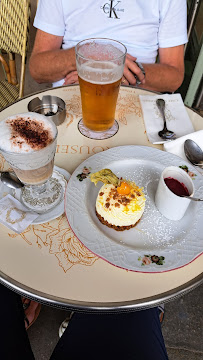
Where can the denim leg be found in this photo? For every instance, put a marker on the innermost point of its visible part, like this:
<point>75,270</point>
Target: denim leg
<point>131,335</point>
<point>14,339</point>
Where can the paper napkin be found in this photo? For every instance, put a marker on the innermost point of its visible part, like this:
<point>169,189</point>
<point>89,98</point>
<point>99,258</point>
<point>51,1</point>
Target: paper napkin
<point>14,215</point>
<point>177,118</point>
<point>177,146</point>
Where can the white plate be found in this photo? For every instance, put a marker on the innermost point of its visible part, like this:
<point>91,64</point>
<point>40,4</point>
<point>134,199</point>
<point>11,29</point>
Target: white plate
<point>63,176</point>
<point>179,242</point>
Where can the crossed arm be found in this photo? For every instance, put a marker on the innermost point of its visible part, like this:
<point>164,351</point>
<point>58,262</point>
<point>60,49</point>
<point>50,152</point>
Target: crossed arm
<point>49,63</point>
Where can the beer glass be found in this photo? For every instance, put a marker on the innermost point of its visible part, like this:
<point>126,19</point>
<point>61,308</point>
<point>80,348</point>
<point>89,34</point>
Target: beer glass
<point>28,143</point>
<point>100,64</point>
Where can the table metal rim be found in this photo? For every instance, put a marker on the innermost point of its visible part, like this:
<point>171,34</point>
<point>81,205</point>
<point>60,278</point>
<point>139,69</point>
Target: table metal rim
<point>87,306</point>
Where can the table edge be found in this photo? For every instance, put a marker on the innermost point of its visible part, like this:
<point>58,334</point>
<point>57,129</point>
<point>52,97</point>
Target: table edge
<point>87,306</point>
<point>131,305</point>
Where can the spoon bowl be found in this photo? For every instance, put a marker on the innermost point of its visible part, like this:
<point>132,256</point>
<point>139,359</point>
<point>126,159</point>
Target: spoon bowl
<point>193,152</point>
<point>11,180</point>
<point>165,133</point>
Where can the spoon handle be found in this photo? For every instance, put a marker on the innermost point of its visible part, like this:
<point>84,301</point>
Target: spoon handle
<point>192,198</point>
<point>10,179</point>
<point>161,106</point>
<point>198,168</point>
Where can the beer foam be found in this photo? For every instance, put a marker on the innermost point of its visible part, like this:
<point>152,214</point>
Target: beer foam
<point>26,132</point>
<point>100,72</point>
<point>99,51</point>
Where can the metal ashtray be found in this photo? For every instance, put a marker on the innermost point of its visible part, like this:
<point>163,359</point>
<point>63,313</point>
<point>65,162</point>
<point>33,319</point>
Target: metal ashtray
<point>51,106</point>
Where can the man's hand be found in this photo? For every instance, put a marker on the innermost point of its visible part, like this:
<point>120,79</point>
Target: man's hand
<point>165,76</point>
<point>130,70</point>
<point>71,78</point>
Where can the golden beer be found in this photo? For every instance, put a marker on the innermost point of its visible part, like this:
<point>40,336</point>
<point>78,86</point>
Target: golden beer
<point>98,104</point>
<point>100,64</point>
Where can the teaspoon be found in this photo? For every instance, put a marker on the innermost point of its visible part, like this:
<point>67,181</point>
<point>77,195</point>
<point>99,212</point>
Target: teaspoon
<point>165,133</point>
<point>193,152</point>
<point>10,179</point>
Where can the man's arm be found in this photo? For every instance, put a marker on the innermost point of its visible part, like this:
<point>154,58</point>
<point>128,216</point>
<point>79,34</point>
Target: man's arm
<point>165,76</point>
<point>48,62</point>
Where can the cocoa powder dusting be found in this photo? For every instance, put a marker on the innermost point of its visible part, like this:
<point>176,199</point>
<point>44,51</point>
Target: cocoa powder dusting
<point>31,132</point>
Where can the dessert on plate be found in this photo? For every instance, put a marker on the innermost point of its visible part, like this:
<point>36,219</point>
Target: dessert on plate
<point>120,203</point>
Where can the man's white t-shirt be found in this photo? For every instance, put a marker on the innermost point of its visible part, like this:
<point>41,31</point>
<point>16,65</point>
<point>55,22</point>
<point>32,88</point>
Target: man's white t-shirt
<point>143,26</point>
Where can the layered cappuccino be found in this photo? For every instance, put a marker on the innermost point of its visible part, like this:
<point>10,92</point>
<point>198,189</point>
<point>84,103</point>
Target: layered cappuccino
<point>28,144</point>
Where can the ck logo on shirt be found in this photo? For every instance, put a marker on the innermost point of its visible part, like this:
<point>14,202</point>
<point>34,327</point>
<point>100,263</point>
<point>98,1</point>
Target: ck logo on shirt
<point>111,8</point>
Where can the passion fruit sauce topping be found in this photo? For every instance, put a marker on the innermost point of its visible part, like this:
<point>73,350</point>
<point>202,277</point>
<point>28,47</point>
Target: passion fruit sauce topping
<point>124,188</point>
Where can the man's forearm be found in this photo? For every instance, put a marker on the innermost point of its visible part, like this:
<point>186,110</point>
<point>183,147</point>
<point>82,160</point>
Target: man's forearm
<point>162,78</point>
<point>50,66</point>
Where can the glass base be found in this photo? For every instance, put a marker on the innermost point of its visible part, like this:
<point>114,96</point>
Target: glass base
<point>44,197</point>
<point>98,135</point>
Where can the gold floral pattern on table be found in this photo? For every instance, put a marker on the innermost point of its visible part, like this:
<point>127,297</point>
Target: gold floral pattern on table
<point>73,108</point>
<point>2,163</point>
<point>4,166</point>
<point>127,104</point>
<point>60,241</point>
<point>23,235</point>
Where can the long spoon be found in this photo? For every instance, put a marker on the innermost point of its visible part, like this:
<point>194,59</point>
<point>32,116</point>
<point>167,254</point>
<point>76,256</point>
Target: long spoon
<point>10,179</point>
<point>165,133</point>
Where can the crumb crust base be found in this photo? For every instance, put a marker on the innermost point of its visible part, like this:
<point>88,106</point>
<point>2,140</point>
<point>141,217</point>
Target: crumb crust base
<point>115,227</point>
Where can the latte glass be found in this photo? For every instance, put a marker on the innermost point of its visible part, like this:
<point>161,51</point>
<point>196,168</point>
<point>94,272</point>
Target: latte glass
<point>28,143</point>
<point>100,64</point>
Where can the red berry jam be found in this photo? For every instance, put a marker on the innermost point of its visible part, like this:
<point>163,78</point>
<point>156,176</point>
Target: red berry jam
<point>176,187</point>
